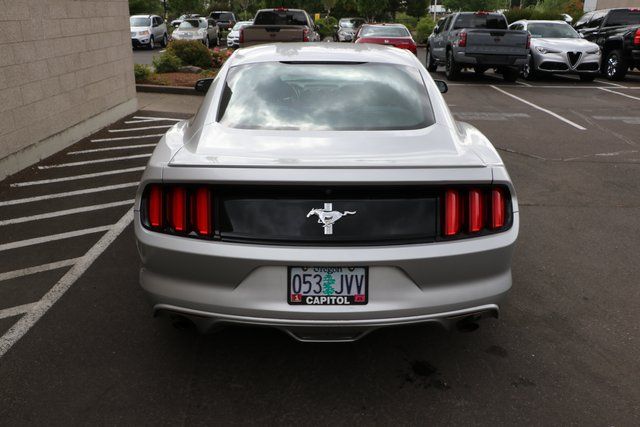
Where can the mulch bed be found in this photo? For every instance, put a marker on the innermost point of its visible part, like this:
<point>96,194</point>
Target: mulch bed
<point>177,79</point>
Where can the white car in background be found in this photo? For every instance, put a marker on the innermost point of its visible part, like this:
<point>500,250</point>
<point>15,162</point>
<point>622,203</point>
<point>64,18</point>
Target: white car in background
<point>202,29</point>
<point>148,31</point>
<point>233,38</point>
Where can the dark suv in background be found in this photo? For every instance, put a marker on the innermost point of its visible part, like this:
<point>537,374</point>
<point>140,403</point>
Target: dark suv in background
<point>225,19</point>
<point>617,32</point>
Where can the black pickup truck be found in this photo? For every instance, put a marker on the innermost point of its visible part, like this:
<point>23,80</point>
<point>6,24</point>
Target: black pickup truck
<point>478,40</point>
<point>617,32</point>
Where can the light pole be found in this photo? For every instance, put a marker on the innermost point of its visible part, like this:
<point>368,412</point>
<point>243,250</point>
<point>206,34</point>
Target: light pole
<point>435,9</point>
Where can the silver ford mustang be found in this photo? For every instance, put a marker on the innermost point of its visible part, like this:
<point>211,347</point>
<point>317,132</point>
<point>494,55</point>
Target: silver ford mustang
<point>556,48</point>
<point>325,190</point>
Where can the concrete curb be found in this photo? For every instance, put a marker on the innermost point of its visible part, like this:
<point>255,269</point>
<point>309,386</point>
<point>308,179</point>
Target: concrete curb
<point>176,90</point>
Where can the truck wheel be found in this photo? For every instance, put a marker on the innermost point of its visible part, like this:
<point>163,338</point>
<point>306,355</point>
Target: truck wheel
<point>510,74</point>
<point>452,69</point>
<point>432,65</point>
<point>615,66</point>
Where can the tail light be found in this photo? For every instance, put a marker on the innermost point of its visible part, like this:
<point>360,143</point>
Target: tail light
<point>528,40</point>
<point>475,211</point>
<point>178,209</point>
<point>305,35</point>
<point>452,212</point>
<point>241,36</point>
<point>498,208</point>
<point>462,39</point>
<point>636,38</point>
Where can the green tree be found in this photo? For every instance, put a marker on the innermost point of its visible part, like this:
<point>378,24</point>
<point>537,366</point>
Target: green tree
<point>327,284</point>
<point>178,7</point>
<point>328,5</point>
<point>372,9</point>
<point>145,6</point>
<point>472,5</point>
<point>416,8</point>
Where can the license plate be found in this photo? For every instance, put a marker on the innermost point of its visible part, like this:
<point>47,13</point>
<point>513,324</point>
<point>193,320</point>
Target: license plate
<point>327,285</point>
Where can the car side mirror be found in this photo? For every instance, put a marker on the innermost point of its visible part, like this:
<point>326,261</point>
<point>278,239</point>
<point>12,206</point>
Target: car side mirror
<point>436,29</point>
<point>203,85</point>
<point>442,86</point>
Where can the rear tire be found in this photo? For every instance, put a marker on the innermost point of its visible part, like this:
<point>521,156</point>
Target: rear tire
<point>452,69</point>
<point>510,74</point>
<point>432,65</point>
<point>615,66</point>
<point>587,77</point>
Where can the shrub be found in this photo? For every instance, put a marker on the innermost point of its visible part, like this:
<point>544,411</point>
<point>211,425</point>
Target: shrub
<point>407,20</point>
<point>424,28</point>
<point>326,26</point>
<point>141,72</point>
<point>516,14</point>
<point>167,62</point>
<point>191,52</point>
<point>218,57</point>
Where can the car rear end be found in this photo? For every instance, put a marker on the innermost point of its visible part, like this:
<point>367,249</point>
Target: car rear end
<point>224,20</point>
<point>482,39</point>
<point>279,25</point>
<point>389,35</point>
<point>330,234</point>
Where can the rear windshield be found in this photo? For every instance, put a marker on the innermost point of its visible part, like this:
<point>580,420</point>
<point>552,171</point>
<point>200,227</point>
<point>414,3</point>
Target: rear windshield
<point>552,31</point>
<point>384,32</point>
<point>623,17</point>
<point>139,22</point>
<point>351,23</point>
<point>491,21</point>
<point>222,16</point>
<point>290,96</point>
<point>188,24</point>
<point>280,17</point>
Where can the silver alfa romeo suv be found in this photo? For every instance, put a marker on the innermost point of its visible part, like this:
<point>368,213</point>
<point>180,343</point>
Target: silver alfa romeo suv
<point>325,190</point>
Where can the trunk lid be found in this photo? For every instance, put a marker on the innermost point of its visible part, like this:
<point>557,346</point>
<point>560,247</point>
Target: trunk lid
<point>497,42</point>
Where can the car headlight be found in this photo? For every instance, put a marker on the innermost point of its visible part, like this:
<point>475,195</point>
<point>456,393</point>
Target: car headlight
<point>543,50</point>
<point>593,51</point>
<point>143,33</point>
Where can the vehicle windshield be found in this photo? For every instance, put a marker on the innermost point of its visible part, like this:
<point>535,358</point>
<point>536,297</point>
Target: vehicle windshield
<point>280,17</point>
<point>222,16</point>
<point>339,96</point>
<point>549,30</point>
<point>350,23</point>
<point>390,31</point>
<point>139,22</point>
<point>623,17</point>
<point>491,21</point>
<point>190,24</point>
<point>240,25</point>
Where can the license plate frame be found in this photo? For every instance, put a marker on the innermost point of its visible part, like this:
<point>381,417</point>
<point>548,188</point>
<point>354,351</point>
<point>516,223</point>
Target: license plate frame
<point>329,299</point>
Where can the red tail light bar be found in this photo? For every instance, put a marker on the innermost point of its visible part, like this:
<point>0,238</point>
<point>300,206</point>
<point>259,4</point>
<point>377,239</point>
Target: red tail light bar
<point>475,211</point>
<point>178,209</point>
<point>636,37</point>
<point>462,39</point>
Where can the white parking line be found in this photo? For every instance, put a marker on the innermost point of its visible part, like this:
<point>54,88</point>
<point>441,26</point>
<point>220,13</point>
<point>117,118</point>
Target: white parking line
<point>52,238</point>
<point>91,162</point>
<point>544,110</point>
<point>157,119</point>
<point>15,311</point>
<point>37,269</point>
<point>73,178</point>
<point>137,129</point>
<point>621,94</point>
<point>523,83</point>
<point>609,83</point>
<point>122,138</point>
<point>34,313</point>
<point>99,150</point>
<point>66,212</point>
<point>67,194</point>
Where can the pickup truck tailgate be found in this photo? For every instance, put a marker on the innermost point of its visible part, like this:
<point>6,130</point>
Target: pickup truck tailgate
<point>258,34</point>
<point>497,42</point>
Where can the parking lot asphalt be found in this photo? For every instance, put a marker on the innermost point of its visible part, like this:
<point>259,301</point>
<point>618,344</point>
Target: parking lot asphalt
<point>565,350</point>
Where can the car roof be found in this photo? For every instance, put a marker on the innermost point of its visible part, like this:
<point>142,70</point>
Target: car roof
<point>142,16</point>
<point>543,21</point>
<point>384,24</point>
<point>322,52</point>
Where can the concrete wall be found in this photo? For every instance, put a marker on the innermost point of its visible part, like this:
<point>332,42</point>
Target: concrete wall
<point>66,70</point>
<point>590,5</point>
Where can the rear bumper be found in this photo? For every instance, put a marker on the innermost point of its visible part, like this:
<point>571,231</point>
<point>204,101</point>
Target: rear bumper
<point>488,60</point>
<point>213,282</point>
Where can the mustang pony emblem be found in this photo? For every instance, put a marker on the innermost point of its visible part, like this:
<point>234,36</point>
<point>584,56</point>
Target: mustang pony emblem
<point>328,216</point>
